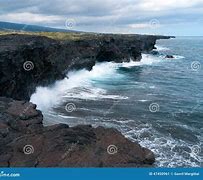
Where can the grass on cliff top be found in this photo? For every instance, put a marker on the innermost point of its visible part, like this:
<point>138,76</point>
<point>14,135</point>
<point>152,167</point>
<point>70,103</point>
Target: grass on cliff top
<point>71,36</point>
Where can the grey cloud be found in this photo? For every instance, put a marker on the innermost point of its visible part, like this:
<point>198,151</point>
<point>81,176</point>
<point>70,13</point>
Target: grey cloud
<point>100,14</point>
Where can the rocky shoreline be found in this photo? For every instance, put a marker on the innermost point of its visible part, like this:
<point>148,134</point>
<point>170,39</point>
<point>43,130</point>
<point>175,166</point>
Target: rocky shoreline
<point>24,141</point>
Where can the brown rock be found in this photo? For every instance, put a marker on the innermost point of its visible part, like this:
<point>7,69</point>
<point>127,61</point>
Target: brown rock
<point>26,143</point>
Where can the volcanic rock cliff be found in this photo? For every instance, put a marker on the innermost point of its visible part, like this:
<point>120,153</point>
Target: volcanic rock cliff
<point>52,59</point>
<point>27,61</point>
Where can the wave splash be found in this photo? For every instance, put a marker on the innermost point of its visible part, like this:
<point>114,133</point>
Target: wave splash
<point>161,48</point>
<point>79,83</point>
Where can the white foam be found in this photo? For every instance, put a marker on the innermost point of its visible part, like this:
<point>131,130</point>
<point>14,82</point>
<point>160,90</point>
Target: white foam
<point>130,64</point>
<point>94,96</point>
<point>161,48</point>
<point>147,59</point>
<point>178,57</point>
<point>66,117</point>
<point>143,100</point>
<point>78,85</point>
<point>169,151</point>
<point>152,87</point>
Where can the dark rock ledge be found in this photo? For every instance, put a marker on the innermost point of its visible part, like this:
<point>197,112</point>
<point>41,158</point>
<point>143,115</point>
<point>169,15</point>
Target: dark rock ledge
<point>52,59</point>
<point>24,141</point>
<point>59,145</point>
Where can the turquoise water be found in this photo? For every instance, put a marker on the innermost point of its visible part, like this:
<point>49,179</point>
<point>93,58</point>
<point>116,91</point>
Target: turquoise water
<point>157,102</point>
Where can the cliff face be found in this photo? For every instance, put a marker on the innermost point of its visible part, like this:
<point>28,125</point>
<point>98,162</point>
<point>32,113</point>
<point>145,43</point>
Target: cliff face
<point>27,61</point>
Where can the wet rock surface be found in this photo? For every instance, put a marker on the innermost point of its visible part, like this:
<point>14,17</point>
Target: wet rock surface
<point>169,56</point>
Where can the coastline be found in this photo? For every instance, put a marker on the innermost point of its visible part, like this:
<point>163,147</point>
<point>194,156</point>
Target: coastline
<point>21,124</point>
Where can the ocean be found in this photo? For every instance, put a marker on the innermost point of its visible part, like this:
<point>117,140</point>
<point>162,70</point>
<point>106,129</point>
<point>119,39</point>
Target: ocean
<point>157,102</point>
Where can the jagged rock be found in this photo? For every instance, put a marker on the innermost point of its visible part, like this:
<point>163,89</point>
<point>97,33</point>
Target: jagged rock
<point>62,146</point>
<point>169,56</point>
<point>154,52</point>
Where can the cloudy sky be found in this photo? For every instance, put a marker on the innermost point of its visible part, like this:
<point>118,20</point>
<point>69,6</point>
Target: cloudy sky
<point>173,17</point>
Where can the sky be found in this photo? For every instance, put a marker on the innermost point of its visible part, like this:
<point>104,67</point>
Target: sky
<point>166,17</point>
